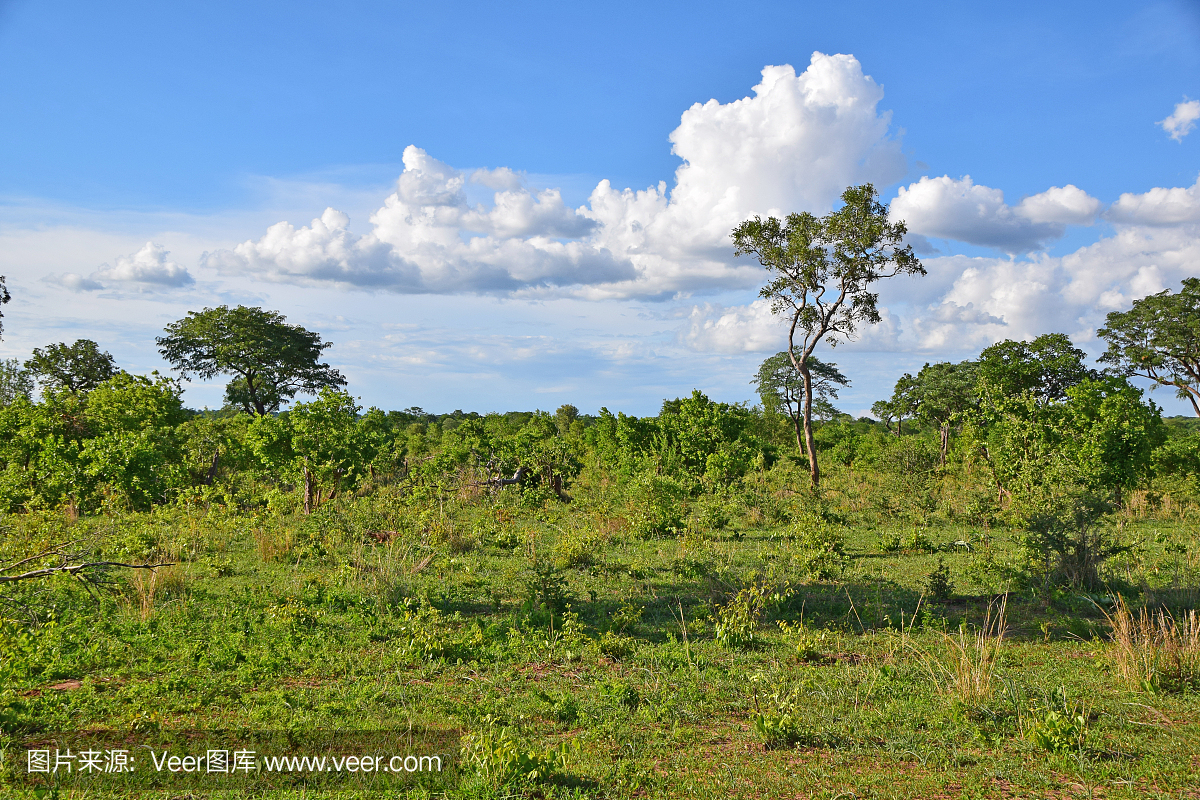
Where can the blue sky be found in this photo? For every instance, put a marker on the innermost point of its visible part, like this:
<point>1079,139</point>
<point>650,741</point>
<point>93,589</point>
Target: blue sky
<point>148,148</point>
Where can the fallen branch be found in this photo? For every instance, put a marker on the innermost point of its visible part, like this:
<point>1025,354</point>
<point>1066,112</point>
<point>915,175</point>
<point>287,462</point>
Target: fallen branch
<point>517,477</point>
<point>75,569</point>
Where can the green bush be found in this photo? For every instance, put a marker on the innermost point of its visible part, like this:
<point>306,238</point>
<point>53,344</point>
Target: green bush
<point>820,547</point>
<point>501,759</point>
<point>1058,726</point>
<point>655,506</point>
<point>777,721</point>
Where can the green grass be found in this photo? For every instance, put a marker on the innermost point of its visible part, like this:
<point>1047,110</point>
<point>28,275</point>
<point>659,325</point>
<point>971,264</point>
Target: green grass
<point>533,627</point>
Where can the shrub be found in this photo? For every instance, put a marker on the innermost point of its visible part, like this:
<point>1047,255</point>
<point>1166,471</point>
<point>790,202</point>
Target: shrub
<point>1068,539</point>
<point>738,620</point>
<point>428,635</point>
<point>938,583</point>
<point>1058,726</point>
<point>820,548</point>
<point>575,549</point>
<point>805,641</point>
<point>918,542</point>
<point>615,646</point>
<point>501,759</point>
<point>711,512</point>
<point>655,506</point>
<point>777,721</point>
<point>546,587</point>
<point>621,694</point>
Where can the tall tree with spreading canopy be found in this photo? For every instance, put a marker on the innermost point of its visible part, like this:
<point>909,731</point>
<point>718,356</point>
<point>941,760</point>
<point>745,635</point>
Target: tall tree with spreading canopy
<point>821,272</point>
<point>78,367</point>
<point>939,394</point>
<point>1159,339</point>
<point>781,387</point>
<point>271,361</point>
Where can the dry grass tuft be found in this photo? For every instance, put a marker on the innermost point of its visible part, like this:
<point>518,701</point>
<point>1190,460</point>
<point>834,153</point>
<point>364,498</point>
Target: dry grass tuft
<point>966,667</point>
<point>150,584</point>
<point>1153,650</point>
<point>274,543</point>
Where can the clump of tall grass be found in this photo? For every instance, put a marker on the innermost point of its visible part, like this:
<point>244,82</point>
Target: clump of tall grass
<point>966,667</point>
<point>1154,651</point>
<point>274,542</point>
<point>150,584</point>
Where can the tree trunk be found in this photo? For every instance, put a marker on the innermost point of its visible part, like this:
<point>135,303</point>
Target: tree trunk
<point>212,471</point>
<point>308,491</point>
<point>814,471</point>
<point>799,430</point>
<point>945,442</point>
<point>259,406</point>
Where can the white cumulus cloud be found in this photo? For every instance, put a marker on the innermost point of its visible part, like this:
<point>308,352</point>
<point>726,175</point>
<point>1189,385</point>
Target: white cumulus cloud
<point>794,145</point>
<point>147,269</point>
<point>945,208</point>
<point>1015,299</point>
<point>1159,206</point>
<point>1181,121</point>
<point>740,329</point>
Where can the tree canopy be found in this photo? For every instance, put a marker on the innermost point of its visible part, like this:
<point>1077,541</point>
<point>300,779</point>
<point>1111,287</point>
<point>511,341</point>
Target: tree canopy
<point>1047,367</point>
<point>821,270</point>
<point>78,367</point>
<point>781,387</point>
<point>1159,339</point>
<point>15,381</point>
<point>271,361</point>
<point>939,394</point>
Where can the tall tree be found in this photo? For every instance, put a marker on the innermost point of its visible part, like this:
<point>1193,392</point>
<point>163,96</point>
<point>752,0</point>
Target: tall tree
<point>1045,367</point>
<point>781,387</point>
<point>939,394</point>
<point>78,367</point>
<point>1159,339</point>
<point>271,361</point>
<point>821,271</point>
<point>15,381</point>
<point>883,411</point>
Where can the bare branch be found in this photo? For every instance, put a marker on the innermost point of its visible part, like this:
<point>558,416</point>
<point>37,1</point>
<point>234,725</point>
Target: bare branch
<point>75,569</point>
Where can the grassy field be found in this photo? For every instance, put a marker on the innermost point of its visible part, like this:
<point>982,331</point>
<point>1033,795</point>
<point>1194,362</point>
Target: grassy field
<point>761,650</point>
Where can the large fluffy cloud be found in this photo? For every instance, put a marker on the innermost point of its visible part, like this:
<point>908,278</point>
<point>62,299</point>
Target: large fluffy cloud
<point>945,208</point>
<point>794,145</point>
<point>1156,244</point>
<point>147,269</point>
<point>1158,207</point>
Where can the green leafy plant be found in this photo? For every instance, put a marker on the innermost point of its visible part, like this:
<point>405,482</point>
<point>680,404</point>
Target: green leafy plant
<point>777,719</point>
<point>500,758</point>
<point>938,582</point>
<point>738,620</point>
<point>806,642</point>
<point>1058,726</point>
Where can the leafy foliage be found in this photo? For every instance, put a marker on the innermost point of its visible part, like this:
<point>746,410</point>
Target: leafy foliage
<point>77,368</point>
<point>1159,338</point>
